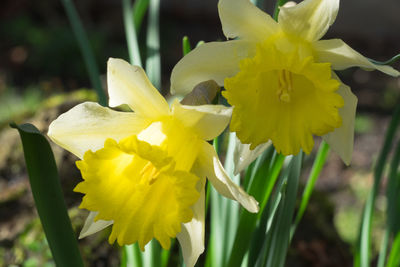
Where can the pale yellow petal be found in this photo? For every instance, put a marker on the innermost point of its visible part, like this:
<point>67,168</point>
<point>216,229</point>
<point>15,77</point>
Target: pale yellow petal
<point>310,19</point>
<point>191,237</point>
<point>91,227</point>
<point>240,18</point>
<point>209,161</point>
<point>343,56</point>
<point>87,125</point>
<point>210,61</point>
<point>341,139</point>
<point>129,84</point>
<point>243,155</point>
<point>207,121</point>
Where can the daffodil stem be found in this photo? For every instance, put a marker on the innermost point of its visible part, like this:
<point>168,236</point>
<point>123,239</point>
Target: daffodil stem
<point>86,51</point>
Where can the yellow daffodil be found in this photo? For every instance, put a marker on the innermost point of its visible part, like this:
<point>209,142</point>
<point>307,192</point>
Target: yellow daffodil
<point>144,172</point>
<point>278,76</point>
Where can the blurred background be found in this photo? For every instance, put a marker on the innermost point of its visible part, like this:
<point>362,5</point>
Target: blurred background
<point>42,74</point>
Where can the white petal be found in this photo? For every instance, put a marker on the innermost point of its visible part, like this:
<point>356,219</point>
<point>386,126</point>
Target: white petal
<point>87,125</point>
<point>216,174</point>
<point>90,227</point>
<point>129,84</point>
<point>341,140</point>
<point>243,155</point>
<point>210,61</point>
<point>240,18</point>
<point>343,56</point>
<point>310,19</point>
<point>191,238</point>
<point>207,121</point>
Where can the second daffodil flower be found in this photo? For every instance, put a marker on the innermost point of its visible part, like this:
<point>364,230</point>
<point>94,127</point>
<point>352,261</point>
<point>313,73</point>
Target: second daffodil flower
<point>145,171</point>
<point>278,75</point>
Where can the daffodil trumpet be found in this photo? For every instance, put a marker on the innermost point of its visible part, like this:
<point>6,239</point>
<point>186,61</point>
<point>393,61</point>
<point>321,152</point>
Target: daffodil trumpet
<point>144,172</point>
<point>279,76</point>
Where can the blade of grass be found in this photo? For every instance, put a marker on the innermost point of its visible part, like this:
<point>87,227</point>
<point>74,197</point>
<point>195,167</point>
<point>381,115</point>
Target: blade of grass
<point>276,252</point>
<point>384,247</point>
<point>362,255</point>
<point>394,257</point>
<point>47,193</point>
<point>392,193</point>
<point>86,51</point>
<point>130,33</point>
<point>319,162</point>
<point>153,62</point>
<point>260,239</point>
<point>260,188</point>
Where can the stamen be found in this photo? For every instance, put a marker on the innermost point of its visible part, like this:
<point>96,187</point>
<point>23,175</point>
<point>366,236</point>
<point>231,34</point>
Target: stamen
<point>150,172</point>
<point>285,85</point>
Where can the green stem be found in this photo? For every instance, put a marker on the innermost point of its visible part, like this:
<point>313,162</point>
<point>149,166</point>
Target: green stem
<point>130,32</point>
<point>86,51</point>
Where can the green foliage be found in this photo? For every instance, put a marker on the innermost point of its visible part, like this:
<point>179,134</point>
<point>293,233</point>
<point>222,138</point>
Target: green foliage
<point>47,193</point>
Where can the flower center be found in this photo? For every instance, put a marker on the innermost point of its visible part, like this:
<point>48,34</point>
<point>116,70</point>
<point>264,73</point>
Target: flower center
<point>281,94</point>
<point>137,186</point>
<point>285,85</point>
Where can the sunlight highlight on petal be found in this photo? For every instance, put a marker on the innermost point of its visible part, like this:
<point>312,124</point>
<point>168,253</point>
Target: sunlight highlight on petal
<point>127,182</point>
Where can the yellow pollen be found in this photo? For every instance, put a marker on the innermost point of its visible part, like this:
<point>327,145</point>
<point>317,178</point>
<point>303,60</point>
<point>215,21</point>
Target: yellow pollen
<point>285,85</point>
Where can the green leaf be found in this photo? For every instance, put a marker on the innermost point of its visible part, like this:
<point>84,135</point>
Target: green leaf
<point>266,171</point>
<point>153,61</point>
<point>393,209</point>
<point>86,51</point>
<point>387,62</point>
<point>394,257</point>
<point>362,254</point>
<point>278,4</point>
<point>131,33</point>
<point>275,253</point>
<point>47,193</point>
<point>186,48</point>
<point>139,10</point>
<point>319,162</point>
